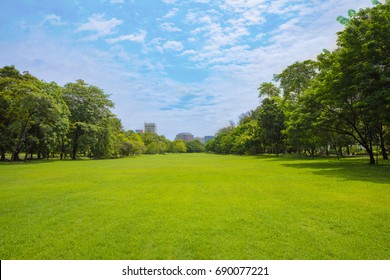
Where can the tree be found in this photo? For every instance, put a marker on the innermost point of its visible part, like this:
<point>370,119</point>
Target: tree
<point>304,132</point>
<point>132,144</point>
<point>295,79</point>
<point>90,108</point>
<point>223,141</point>
<point>9,78</point>
<point>269,90</point>
<point>195,146</point>
<point>155,144</point>
<point>247,138</point>
<point>34,113</point>
<point>271,123</point>
<point>353,85</point>
<point>177,146</point>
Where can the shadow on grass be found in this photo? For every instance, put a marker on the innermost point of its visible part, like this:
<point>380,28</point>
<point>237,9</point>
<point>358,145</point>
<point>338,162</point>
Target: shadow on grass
<point>352,169</point>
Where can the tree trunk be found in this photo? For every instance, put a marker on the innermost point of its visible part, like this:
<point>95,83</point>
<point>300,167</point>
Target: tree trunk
<point>341,151</point>
<point>74,150</point>
<point>370,153</point>
<point>75,144</point>
<point>2,156</point>
<point>62,147</point>
<point>372,158</point>
<point>382,144</point>
<point>15,156</point>
<point>26,156</point>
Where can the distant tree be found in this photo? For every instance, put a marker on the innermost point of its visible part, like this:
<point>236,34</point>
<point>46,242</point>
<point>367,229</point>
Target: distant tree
<point>271,123</point>
<point>134,144</point>
<point>247,138</point>
<point>223,141</point>
<point>155,144</point>
<point>177,146</point>
<point>195,146</point>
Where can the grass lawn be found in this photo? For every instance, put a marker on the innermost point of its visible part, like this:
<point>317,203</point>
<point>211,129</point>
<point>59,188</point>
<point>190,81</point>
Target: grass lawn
<point>195,206</point>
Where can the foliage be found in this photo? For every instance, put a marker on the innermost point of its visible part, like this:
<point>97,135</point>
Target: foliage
<point>195,146</point>
<point>34,114</point>
<point>177,146</point>
<point>90,111</point>
<point>338,101</point>
<point>155,144</point>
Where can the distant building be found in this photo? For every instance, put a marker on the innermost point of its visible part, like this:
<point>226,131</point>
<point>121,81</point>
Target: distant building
<point>139,131</point>
<point>151,127</point>
<point>207,139</point>
<point>185,136</point>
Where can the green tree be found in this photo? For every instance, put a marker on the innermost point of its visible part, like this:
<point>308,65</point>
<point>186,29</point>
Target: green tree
<point>9,78</point>
<point>223,141</point>
<point>269,90</point>
<point>271,123</point>
<point>132,144</point>
<point>295,79</point>
<point>353,85</point>
<point>34,112</point>
<point>90,109</point>
<point>177,146</point>
<point>155,144</point>
<point>195,146</point>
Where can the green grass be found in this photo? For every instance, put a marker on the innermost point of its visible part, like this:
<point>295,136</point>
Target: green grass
<point>195,206</point>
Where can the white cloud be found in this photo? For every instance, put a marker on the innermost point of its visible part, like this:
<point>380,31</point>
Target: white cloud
<point>250,12</point>
<point>100,26</point>
<point>169,1</point>
<point>117,1</point>
<point>54,20</point>
<point>189,52</point>
<point>171,13</point>
<point>173,45</point>
<point>169,27</point>
<point>138,38</point>
<point>227,41</point>
<point>290,25</point>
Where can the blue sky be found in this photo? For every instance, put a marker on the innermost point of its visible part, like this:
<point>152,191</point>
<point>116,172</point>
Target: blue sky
<point>189,66</point>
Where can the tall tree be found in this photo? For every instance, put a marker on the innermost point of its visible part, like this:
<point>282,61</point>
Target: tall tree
<point>90,108</point>
<point>295,79</point>
<point>269,90</point>
<point>271,123</point>
<point>31,107</point>
<point>354,82</point>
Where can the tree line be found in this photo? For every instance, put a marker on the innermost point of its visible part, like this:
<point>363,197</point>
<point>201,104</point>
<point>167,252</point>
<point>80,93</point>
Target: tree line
<point>43,120</point>
<point>339,103</point>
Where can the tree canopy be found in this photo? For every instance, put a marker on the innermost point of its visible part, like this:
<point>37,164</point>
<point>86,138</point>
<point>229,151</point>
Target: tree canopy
<point>338,103</point>
<point>47,120</point>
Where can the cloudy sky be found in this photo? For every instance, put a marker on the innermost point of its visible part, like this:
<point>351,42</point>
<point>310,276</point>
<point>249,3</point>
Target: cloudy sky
<point>189,66</point>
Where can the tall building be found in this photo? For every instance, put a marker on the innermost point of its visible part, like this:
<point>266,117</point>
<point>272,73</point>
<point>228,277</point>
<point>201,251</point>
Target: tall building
<point>185,136</point>
<point>151,127</point>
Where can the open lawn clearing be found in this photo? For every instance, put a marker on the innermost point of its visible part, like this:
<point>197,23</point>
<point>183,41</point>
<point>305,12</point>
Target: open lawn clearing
<point>195,206</point>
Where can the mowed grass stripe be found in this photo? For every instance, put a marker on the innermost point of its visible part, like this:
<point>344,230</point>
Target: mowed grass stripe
<point>195,206</point>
